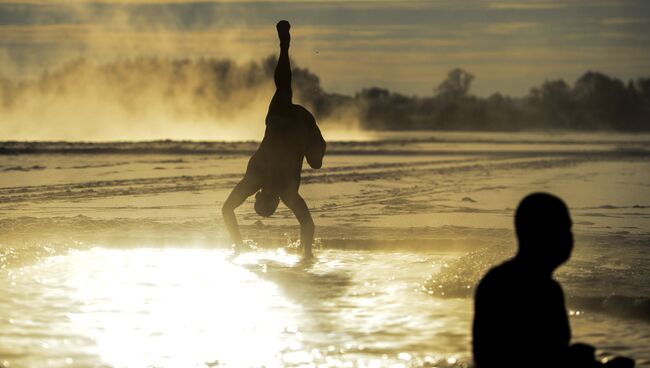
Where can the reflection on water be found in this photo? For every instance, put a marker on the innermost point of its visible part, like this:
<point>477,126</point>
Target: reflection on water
<point>200,308</point>
<point>203,308</point>
<point>179,308</point>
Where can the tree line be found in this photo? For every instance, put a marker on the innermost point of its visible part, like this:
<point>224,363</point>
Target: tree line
<point>594,102</point>
<point>218,87</point>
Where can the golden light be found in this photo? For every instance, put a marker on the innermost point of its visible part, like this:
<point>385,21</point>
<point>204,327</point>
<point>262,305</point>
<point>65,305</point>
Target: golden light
<point>179,308</point>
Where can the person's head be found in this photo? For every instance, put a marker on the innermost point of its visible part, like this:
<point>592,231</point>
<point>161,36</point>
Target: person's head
<point>266,203</point>
<point>543,227</point>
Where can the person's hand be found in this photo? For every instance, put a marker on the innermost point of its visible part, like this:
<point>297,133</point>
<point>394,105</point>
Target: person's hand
<point>619,362</point>
<point>581,355</point>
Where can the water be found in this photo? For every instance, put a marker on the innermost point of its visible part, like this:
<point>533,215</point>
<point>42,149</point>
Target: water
<point>110,255</point>
<point>197,307</point>
<point>162,307</point>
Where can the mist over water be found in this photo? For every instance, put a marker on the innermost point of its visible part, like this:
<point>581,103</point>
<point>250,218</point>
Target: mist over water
<point>151,98</point>
<point>198,98</point>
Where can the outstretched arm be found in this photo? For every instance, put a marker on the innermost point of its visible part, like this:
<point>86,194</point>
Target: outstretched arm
<point>242,190</point>
<point>299,208</point>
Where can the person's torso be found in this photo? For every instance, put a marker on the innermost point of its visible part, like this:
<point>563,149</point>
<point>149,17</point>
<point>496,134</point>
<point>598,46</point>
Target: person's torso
<point>526,316</point>
<point>284,135</point>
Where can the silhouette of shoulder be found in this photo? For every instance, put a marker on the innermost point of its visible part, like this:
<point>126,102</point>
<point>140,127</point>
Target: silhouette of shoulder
<point>511,275</point>
<point>519,316</point>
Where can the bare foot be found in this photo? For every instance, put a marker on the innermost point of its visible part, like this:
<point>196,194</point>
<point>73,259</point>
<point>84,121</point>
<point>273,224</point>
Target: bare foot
<point>283,32</point>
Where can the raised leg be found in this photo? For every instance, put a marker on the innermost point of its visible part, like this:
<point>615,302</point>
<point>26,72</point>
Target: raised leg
<point>281,100</point>
<point>299,208</point>
<point>242,190</point>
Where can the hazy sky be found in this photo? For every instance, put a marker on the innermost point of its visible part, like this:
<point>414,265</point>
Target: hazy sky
<point>407,46</point>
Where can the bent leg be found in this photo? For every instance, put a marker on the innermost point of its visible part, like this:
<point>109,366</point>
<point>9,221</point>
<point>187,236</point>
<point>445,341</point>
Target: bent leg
<point>299,208</point>
<point>282,76</point>
<point>244,189</point>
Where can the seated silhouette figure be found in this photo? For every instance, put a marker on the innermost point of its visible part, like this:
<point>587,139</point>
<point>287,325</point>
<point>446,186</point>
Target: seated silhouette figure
<point>273,172</point>
<point>520,317</point>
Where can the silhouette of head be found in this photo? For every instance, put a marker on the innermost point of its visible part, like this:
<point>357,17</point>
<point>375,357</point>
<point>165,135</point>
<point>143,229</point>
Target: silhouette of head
<point>266,203</point>
<point>543,227</point>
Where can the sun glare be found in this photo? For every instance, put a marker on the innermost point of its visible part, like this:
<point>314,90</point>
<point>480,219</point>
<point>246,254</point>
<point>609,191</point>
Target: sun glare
<point>179,308</point>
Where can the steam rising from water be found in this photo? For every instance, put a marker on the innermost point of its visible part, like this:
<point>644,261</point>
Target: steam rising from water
<point>150,98</point>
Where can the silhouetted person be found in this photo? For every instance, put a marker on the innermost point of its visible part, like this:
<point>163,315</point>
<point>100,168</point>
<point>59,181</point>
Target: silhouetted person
<point>520,318</point>
<point>274,170</point>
